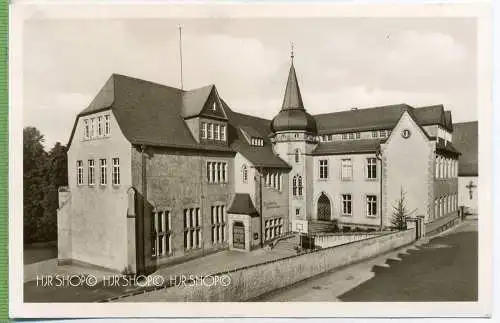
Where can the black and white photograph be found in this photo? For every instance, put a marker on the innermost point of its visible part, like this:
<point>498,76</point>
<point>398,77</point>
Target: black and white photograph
<point>258,154</point>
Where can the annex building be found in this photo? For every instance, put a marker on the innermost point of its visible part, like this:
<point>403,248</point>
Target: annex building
<point>159,175</point>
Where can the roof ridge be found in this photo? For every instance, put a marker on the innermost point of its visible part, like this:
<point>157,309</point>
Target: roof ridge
<point>114,75</point>
<point>405,105</point>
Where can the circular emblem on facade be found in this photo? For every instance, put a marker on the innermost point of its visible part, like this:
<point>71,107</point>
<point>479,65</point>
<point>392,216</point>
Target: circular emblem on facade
<point>406,133</point>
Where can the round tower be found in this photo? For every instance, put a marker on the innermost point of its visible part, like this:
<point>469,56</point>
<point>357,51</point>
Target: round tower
<point>294,137</point>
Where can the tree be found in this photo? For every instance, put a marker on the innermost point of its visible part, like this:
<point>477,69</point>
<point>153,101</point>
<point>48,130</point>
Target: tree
<point>400,212</point>
<point>43,174</point>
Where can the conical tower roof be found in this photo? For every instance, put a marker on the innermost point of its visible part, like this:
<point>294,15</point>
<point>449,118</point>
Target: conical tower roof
<point>293,116</point>
<point>292,99</point>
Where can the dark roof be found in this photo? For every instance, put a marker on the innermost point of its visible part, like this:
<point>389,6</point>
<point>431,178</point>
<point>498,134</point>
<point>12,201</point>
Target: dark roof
<point>152,114</point>
<point>292,98</point>
<point>259,156</point>
<point>293,116</point>
<point>465,139</point>
<point>448,120</point>
<point>376,118</point>
<point>251,132</point>
<point>446,147</point>
<point>242,204</point>
<point>348,147</point>
<point>194,100</point>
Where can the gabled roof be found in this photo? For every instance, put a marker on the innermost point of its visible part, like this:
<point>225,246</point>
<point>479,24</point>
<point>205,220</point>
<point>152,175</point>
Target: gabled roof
<point>147,113</point>
<point>259,156</point>
<point>242,204</point>
<point>193,101</point>
<point>343,147</point>
<point>376,118</point>
<point>465,139</point>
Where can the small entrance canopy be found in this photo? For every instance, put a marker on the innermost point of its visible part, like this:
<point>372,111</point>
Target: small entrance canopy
<point>244,223</point>
<point>242,204</point>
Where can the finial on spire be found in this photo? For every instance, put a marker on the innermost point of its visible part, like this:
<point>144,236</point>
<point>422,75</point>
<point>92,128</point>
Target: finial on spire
<point>292,53</point>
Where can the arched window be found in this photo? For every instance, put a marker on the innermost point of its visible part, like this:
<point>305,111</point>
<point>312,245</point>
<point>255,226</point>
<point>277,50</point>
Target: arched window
<point>244,173</point>
<point>297,153</point>
<point>299,184</point>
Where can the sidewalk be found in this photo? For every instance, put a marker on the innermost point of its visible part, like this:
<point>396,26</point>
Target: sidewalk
<point>223,261</point>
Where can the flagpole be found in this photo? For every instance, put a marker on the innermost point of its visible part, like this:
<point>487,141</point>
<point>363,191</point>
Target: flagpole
<point>180,54</point>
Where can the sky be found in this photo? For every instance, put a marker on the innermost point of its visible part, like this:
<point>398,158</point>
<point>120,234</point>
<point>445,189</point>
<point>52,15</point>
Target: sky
<point>341,63</point>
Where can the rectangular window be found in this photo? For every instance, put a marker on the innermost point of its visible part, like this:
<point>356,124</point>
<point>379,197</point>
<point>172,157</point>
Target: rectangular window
<point>192,228</point>
<point>346,169</point>
<point>223,133</point>
<point>351,135</point>
<point>381,133</point>
<point>79,172</point>
<point>218,224</point>
<point>374,134</point>
<point>203,130</point>
<point>323,169</point>
<point>330,138</point>
<point>216,132</point>
<point>371,168</point>
<point>107,128</point>
<point>161,240</point>
<point>358,135</point>
<point>346,204</point>
<point>297,211</point>
<point>99,126</point>
<point>216,172</point>
<point>371,205</point>
<point>116,171</point>
<point>104,171</point>
<point>224,172</point>
<point>86,130</point>
<point>274,228</point>
<point>344,136</point>
<point>92,128</point>
<point>91,172</point>
<point>210,131</point>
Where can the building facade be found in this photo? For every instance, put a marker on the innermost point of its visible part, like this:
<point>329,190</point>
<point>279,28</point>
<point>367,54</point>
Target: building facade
<point>159,175</point>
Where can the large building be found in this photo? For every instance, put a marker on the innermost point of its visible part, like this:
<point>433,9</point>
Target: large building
<point>465,138</point>
<point>159,175</point>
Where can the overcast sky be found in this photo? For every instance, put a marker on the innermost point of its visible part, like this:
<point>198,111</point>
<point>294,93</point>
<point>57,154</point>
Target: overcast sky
<point>340,63</point>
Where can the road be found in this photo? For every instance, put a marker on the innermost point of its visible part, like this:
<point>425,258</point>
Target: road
<point>444,268</point>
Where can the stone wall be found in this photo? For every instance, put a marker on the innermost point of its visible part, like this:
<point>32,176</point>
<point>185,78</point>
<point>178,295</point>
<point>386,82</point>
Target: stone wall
<point>177,180</point>
<point>331,240</point>
<point>251,282</point>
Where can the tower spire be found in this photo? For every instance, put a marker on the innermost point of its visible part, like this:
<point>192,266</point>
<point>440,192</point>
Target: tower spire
<point>292,99</point>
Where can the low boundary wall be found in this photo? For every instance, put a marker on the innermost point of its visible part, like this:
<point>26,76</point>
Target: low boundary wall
<point>442,224</point>
<point>332,240</point>
<point>250,282</point>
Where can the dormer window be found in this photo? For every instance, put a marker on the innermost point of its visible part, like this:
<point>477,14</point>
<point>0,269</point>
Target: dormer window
<point>210,131</point>
<point>257,142</point>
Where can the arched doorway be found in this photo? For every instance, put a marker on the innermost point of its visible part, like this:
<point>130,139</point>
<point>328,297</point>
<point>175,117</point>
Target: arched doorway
<point>324,208</point>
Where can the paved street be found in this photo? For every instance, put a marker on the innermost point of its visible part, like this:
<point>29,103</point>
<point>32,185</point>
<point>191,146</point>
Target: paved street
<point>445,269</point>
